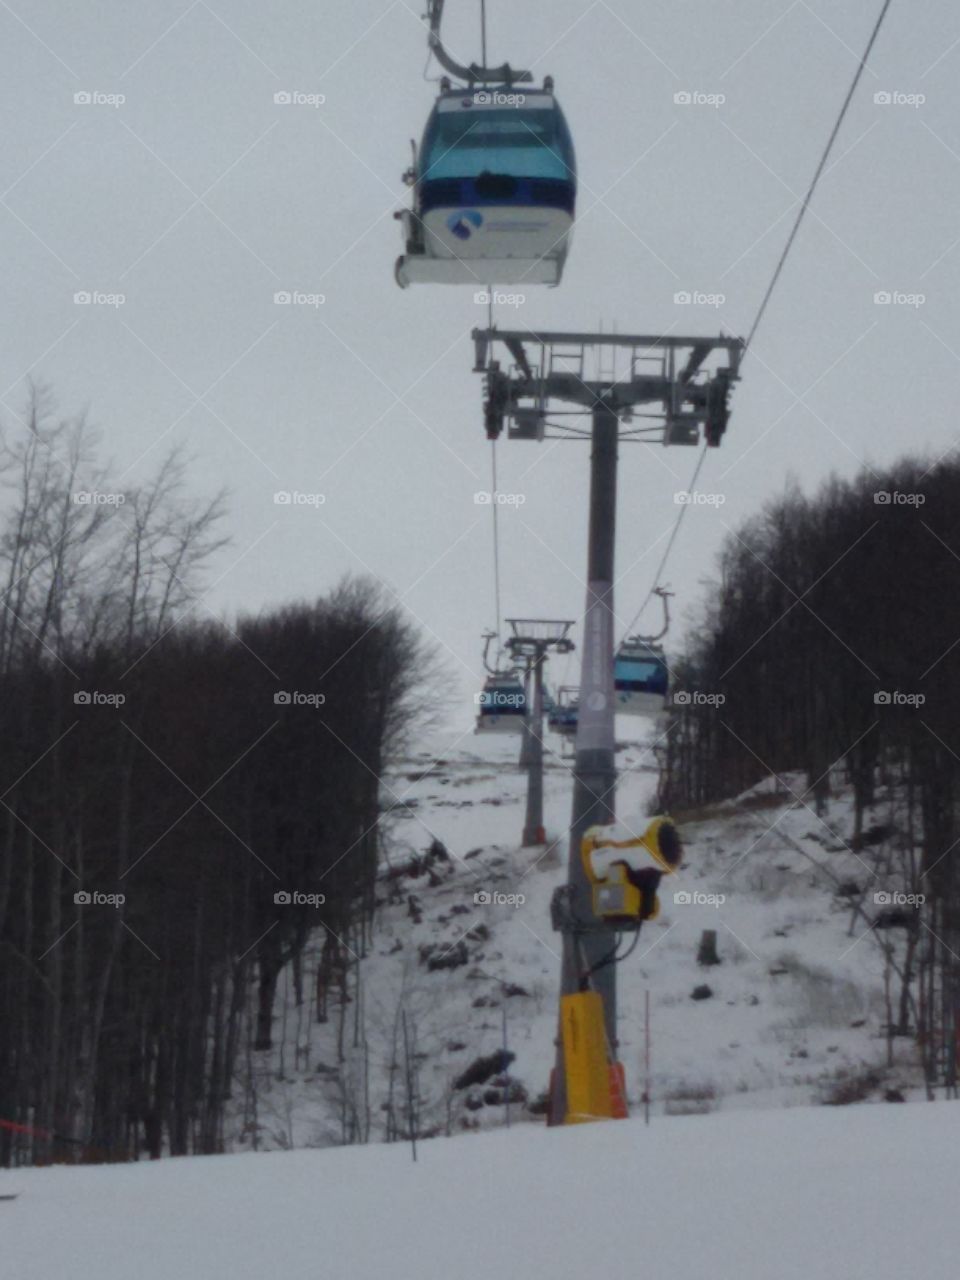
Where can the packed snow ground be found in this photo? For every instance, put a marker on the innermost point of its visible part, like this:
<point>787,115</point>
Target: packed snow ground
<point>855,1193</point>
<point>796,1006</point>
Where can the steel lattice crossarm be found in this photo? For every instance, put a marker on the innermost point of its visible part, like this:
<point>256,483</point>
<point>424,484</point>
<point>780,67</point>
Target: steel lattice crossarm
<point>534,635</point>
<point>686,381</point>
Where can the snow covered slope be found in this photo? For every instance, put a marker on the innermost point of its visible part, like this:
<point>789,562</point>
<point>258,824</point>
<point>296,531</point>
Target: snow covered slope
<point>794,1012</point>
<point>861,1193</point>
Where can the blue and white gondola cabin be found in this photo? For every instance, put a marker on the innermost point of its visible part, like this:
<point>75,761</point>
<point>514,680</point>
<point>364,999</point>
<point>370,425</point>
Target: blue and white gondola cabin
<point>495,189</point>
<point>503,705</point>
<point>562,717</point>
<point>640,677</point>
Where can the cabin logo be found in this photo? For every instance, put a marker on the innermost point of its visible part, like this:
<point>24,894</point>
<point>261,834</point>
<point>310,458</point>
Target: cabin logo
<point>464,222</point>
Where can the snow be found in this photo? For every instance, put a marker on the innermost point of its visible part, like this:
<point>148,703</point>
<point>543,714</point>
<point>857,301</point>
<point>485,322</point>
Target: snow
<point>797,1003</point>
<point>759,1183</point>
<point>862,1193</point>
<point>618,842</point>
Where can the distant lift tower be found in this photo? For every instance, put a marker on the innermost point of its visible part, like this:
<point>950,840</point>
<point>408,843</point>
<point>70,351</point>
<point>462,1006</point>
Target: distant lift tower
<point>540,383</point>
<point>532,640</point>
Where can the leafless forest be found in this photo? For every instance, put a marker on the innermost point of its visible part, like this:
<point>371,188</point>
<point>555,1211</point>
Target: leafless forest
<point>163,776</point>
<point>828,648</point>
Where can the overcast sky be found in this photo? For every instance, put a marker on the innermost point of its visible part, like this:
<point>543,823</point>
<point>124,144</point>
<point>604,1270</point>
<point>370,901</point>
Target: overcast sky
<point>198,198</point>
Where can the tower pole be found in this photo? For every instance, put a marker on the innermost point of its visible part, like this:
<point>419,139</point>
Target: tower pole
<point>533,832</point>
<point>594,771</point>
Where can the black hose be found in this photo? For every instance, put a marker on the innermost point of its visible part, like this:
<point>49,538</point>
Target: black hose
<point>610,958</point>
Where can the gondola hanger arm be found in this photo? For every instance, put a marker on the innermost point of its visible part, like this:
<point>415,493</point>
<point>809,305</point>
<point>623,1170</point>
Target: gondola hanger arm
<point>504,74</point>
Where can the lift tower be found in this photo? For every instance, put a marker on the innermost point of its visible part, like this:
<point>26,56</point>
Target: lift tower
<point>532,640</point>
<point>547,380</point>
